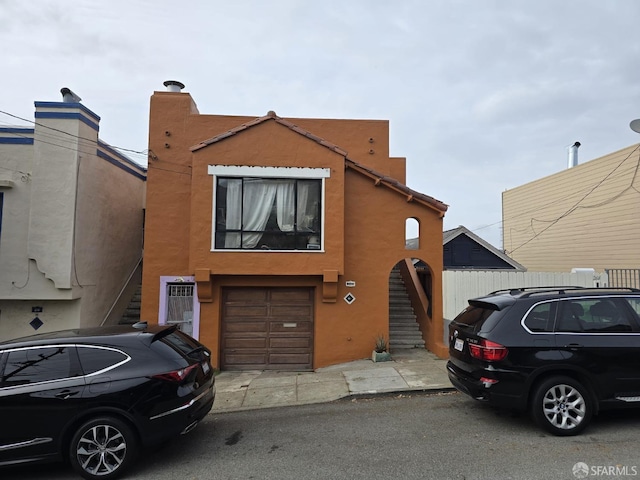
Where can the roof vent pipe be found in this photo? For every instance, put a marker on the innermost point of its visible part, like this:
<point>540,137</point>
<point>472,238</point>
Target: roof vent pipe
<point>573,155</point>
<point>173,86</point>
<point>68,96</point>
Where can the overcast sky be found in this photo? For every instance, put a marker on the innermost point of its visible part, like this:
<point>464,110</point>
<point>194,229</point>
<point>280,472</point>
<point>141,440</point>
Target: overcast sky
<point>482,96</point>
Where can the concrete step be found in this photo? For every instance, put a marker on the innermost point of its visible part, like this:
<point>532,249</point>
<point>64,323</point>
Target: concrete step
<point>404,326</point>
<point>404,331</point>
<point>131,314</point>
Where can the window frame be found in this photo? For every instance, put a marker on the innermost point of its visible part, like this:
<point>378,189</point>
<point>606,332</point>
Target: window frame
<point>274,173</point>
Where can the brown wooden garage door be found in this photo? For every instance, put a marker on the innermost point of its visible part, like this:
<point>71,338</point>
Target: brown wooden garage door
<point>267,329</point>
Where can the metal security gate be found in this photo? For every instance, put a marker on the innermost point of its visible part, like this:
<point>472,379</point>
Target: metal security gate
<point>623,277</point>
<point>180,306</point>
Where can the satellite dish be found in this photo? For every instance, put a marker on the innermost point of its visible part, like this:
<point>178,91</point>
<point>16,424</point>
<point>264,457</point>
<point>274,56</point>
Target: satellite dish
<point>635,125</point>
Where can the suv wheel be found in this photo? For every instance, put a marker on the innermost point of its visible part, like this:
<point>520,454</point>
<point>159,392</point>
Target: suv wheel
<point>103,448</point>
<point>562,406</point>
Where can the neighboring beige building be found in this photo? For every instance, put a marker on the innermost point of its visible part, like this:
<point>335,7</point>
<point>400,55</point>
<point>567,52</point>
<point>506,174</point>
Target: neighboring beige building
<point>587,216</point>
<point>71,222</point>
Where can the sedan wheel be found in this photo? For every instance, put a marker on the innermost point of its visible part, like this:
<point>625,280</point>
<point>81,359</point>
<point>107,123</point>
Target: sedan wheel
<point>562,406</point>
<point>103,448</point>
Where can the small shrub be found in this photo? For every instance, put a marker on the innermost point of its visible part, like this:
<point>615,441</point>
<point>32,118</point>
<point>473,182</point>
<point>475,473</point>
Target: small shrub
<point>381,344</point>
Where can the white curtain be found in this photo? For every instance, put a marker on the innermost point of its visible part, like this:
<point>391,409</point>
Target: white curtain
<point>249,208</point>
<point>303,220</point>
<point>285,205</point>
<point>257,200</point>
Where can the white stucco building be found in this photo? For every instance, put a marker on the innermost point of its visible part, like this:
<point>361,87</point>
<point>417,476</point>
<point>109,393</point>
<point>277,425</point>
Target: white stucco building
<point>71,222</point>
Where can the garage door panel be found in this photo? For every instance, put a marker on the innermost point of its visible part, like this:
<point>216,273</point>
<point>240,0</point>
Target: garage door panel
<point>289,342</point>
<point>246,295</point>
<point>284,359</point>
<point>246,327</point>
<point>245,358</point>
<point>247,310</point>
<point>285,295</point>
<point>291,310</point>
<point>290,327</point>
<point>282,339</point>
<point>259,343</point>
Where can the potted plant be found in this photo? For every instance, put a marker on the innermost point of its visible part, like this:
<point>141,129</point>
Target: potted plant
<point>380,350</point>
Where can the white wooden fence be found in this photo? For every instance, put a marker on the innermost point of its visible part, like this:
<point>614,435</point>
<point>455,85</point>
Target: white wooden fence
<point>459,286</point>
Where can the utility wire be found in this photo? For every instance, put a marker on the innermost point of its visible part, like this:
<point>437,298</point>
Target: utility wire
<point>576,206</point>
<point>91,142</point>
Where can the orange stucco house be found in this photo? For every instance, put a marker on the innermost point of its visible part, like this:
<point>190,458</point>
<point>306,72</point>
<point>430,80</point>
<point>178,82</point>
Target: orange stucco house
<point>272,240</point>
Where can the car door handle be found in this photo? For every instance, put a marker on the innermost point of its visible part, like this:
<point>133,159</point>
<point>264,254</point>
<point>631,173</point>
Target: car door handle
<point>64,394</point>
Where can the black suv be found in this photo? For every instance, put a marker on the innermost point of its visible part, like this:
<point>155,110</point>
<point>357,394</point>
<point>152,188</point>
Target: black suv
<point>93,397</point>
<point>561,352</point>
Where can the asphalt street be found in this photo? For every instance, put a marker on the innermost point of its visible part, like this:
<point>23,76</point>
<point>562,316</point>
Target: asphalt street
<point>407,436</point>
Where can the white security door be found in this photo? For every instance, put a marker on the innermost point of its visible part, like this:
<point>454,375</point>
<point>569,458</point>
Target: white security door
<point>180,306</point>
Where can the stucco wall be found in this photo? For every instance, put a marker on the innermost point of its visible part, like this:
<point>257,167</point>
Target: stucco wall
<point>364,224</point>
<point>109,234</point>
<point>72,222</point>
<point>16,315</point>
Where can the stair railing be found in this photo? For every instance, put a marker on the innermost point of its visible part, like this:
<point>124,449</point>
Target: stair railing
<point>124,287</point>
<point>417,295</point>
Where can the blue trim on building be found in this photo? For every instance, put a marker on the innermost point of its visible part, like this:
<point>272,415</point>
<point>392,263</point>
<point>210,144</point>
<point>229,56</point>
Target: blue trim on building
<point>69,116</point>
<point>16,141</point>
<point>24,130</point>
<point>121,156</point>
<point>115,162</point>
<point>67,105</point>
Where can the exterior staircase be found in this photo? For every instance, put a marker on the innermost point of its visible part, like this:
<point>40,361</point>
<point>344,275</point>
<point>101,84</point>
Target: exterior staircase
<point>404,331</point>
<point>132,313</point>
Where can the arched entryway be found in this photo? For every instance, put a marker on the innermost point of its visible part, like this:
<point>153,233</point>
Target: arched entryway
<point>410,304</point>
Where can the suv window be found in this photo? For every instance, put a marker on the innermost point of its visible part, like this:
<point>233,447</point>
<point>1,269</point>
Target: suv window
<point>95,359</point>
<point>594,315</point>
<point>635,304</point>
<point>32,365</point>
<point>480,316</point>
<point>540,318</point>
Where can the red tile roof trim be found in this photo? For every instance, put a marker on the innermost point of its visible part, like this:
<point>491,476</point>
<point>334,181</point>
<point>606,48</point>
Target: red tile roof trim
<point>378,178</point>
<point>392,183</point>
<point>269,116</point>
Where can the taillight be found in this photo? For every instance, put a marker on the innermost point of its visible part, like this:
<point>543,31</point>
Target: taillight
<point>177,375</point>
<point>488,351</point>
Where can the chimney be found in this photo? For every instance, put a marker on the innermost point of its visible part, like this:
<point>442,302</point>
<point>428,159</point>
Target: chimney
<point>573,155</point>
<point>68,96</point>
<point>173,86</point>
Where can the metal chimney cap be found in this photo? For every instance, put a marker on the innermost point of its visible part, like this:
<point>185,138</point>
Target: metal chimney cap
<point>68,96</point>
<point>173,85</point>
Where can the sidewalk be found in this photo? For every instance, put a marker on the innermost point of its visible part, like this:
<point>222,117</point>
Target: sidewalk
<point>409,370</point>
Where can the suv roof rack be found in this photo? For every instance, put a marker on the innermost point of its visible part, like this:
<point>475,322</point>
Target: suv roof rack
<point>515,291</point>
<point>529,291</point>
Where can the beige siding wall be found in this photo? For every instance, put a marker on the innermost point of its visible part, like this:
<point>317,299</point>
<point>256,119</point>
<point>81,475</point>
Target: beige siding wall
<point>584,217</point>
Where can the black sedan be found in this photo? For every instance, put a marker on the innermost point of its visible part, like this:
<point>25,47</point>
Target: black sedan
<point>95,397</point>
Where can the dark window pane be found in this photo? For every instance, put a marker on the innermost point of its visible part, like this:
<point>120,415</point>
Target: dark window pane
<point>606,315</point>
<point>268,214</point>
<point>96,359</point>
<point>539,318</point>
<point>36,365</point>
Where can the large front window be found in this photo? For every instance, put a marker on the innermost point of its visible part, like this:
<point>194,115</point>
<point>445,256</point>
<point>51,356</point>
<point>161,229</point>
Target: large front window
<point>268,213</point>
